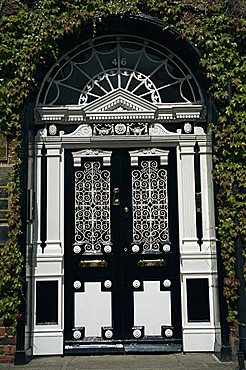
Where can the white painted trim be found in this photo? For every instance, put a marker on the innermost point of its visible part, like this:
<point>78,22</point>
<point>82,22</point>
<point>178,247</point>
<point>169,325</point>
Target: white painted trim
<point>47,343</point>
<point>149,152</point>
<point>189,237</point>
<point>130,101</point>
<point>37,220</point>
<point>207,196</point>
<point>202,341</point>
<point>53,243</point>
<point>140,110</point>
<point>91,153</point>
<point>193,262</point>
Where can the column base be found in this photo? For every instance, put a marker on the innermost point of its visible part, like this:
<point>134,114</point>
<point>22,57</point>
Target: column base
<point>22,357</point>
<point>224,354</point>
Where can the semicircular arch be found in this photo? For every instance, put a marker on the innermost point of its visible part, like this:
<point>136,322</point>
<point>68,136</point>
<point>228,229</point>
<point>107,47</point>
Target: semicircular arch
<point>120,71</point>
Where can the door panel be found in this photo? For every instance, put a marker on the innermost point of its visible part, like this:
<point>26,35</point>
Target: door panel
<point>149,201</point>
<point>92,201</point>
<point>152,308</point>
<point>121,258</point>
<point>90,316</point>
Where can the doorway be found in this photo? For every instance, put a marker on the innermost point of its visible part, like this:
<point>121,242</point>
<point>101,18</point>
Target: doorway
<point>122,283</point>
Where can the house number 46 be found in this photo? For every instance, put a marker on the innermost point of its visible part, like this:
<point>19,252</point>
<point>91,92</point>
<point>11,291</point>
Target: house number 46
<point>122,62</point>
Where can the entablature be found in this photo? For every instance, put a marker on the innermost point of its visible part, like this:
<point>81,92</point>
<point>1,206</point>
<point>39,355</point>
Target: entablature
<point>77,114</point>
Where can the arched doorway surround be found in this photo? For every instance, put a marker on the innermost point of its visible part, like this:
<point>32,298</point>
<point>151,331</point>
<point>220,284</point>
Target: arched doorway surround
<point>122,239</point>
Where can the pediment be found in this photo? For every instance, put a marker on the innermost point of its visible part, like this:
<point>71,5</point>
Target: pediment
<point>119,101</point>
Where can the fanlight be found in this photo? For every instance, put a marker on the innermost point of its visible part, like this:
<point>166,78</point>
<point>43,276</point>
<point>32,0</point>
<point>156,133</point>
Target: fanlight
<point>138,66</point>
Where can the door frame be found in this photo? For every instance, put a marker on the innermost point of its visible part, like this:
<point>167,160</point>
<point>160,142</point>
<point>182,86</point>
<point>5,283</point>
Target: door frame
<point>196,261</point>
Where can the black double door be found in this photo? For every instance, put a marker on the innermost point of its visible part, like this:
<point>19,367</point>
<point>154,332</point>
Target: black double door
<point>122,288</point>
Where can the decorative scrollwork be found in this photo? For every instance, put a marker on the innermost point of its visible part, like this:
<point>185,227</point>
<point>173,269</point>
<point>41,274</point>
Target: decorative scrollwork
<point>134,128</point>
<point>120,128</point>
<point>110,78</point>
<point>52,130</point>
<point>92,207</point>
<point>187,127</point>
<point>150,206</point>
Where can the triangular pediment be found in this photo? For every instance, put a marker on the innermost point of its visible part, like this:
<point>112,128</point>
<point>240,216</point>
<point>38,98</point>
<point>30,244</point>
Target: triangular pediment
<point>120,101</point>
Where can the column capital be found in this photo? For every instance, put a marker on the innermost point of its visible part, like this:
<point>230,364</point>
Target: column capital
<point>187,147</point>
<point>205,147</point>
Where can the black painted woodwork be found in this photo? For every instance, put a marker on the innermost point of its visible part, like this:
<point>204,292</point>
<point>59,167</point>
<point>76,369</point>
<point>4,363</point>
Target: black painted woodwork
<point>43,224</point>
<point>198,300</point>
<point>46,302</point>
<point>122,266</point>
<point>199,221</point>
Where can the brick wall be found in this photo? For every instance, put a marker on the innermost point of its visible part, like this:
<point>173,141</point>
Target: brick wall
<point>7,341</point>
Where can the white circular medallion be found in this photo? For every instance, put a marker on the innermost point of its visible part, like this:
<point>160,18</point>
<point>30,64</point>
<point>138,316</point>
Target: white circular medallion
<point>76,249</point>
<point>166,248</point>
<point>77,284</point>
<point>137,333</point>
<point>107,249</point>
<point>77,334</point>
<point>107,284</point>
<point>167,283</point>
<point>187,128</point>
<point>135,248</point>
<point>168,333</point>
<point>52,130</point>
<point>136,283</point>
<point>120,128</point>
<point>108,334</point>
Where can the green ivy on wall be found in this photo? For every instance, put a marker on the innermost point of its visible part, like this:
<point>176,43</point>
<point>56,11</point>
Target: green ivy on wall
<point>29,34</point>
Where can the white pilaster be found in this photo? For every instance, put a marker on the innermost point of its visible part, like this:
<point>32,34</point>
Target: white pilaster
<point>53,242</point>
<point>208,229</point>
<point>37,216</point>
<point>187,193</point>
<point>207,197</point>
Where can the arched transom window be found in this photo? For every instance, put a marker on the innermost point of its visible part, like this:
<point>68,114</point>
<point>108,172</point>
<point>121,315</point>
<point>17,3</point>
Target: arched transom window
<point>122,73</point>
